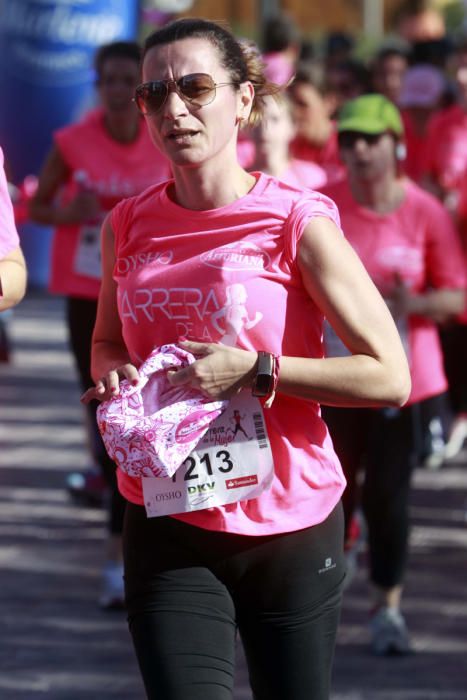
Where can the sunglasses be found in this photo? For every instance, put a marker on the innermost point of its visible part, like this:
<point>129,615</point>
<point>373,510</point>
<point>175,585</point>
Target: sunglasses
<point>348,139</point>
<point>198,89</point>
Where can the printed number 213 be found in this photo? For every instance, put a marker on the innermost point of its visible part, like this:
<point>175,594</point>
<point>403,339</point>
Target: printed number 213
<point>225,466</point>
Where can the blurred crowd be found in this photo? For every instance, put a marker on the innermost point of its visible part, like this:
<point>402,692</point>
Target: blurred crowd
<point>420,69</point>
<point>396,205</point>
<point>323,133</point>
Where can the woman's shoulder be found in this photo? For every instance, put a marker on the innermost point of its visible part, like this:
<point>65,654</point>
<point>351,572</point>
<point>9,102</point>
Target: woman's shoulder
<point>132,206</point>
<point>297,206</point>
<point>125,215</point>
<point>289,195</point>
<point>304,204</point>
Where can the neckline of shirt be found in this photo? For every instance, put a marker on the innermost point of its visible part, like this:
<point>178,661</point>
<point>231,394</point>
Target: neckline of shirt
<point>182,212</point>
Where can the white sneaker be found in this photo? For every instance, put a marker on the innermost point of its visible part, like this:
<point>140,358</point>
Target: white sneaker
<point>457,437</point>
<point>389,634</point>
<point>435,459</point>
<point>437,444</point>
<point>112,595</point>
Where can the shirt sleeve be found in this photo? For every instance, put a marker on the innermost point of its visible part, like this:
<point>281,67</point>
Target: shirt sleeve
<point>309,206</point>
<point>121,219</point>
<point>9,239</point>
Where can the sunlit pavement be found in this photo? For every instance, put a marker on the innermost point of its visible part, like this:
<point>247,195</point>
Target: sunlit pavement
<point>54,641</point>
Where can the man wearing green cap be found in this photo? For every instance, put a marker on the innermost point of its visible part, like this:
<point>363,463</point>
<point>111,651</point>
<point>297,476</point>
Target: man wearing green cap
<point>401,234</point>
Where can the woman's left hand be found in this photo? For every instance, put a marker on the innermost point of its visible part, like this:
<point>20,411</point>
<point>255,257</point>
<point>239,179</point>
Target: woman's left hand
<point>220,371</point>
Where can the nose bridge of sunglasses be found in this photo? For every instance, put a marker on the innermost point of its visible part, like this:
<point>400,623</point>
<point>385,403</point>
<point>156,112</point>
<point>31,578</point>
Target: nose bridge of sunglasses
<point>192,89</point>
<point>175,87</point>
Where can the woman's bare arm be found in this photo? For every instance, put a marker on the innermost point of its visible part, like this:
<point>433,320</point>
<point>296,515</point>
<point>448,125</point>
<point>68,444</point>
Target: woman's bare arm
<point>13,278</point>
<point>43,207</point>
<point>110,360</point>
<point>375,374</point>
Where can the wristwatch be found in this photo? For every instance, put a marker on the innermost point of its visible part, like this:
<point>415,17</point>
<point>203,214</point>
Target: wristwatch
<point>263,381</point>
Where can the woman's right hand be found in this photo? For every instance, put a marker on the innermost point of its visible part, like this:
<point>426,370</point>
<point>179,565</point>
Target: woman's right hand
<point>109,385</point>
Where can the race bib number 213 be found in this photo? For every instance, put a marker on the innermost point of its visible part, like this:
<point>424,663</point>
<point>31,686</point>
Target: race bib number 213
<point>232,462</point>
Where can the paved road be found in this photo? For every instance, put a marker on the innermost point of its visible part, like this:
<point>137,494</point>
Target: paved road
<point>56,644</point>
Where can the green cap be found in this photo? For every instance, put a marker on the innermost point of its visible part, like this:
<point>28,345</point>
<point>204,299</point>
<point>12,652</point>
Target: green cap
<point>370,114</point>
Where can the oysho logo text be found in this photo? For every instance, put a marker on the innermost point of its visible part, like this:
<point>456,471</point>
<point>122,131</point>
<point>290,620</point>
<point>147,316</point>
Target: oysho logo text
<point>169,496</point>
<point>133,262</point>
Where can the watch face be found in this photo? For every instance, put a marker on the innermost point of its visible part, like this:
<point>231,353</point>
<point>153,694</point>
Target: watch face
<point>262,385</point>
<point>263,380</point>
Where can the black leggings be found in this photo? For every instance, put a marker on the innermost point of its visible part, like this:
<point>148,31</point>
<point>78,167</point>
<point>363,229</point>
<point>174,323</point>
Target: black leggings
<point>454,343</point>
<point>188,589</point>
<point>386,444</point>
<point>81,316</point>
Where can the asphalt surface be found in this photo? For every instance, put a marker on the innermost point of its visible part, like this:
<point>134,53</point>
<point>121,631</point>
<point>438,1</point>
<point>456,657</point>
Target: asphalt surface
<point>54,641</point>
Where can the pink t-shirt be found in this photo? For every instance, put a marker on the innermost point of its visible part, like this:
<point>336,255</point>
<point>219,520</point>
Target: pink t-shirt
<point>415,164</point>
<point>113,171</point>
<point>230,275</point>
<point>304,174</point>
<point>418,242</point>
<point>327,156</point>
<point>446,150</point>
<point>446,147</point>
<point>9,239</point>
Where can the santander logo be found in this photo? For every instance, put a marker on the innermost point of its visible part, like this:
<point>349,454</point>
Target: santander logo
<point>194,425</point>
<point>237,256</point>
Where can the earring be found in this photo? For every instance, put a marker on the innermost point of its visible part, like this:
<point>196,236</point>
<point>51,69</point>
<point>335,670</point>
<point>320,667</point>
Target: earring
<point>401,151</point>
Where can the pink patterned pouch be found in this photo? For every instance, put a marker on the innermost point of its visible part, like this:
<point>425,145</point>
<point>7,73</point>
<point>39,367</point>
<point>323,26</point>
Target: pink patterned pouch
<point>150,429</point>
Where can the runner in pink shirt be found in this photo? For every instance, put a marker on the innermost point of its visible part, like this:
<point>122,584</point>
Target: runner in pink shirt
<point>12,265</point>
<point>447,154</point>
<point>243,267</point>
<point>447,139</point>
<point>93,164</point>
<point>313,105</point>
<point>422,89</point>
<point>401,233</point>
<point>447,178</point>
<point>272,137</point>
